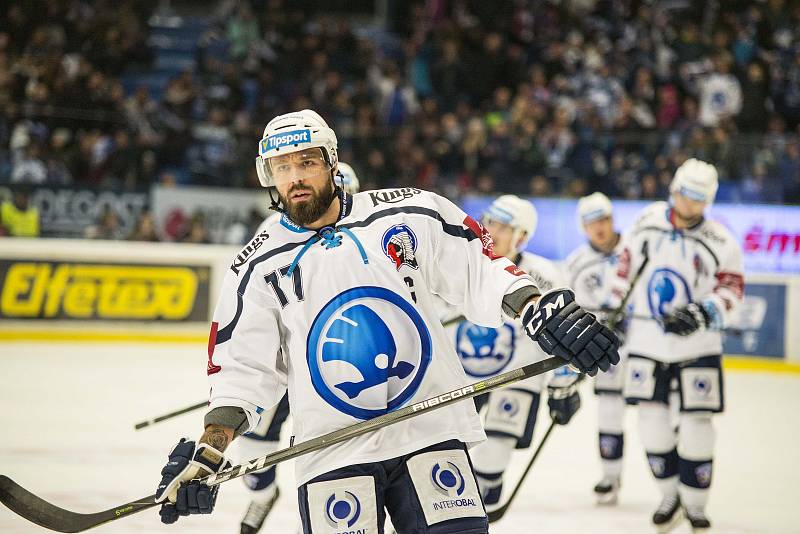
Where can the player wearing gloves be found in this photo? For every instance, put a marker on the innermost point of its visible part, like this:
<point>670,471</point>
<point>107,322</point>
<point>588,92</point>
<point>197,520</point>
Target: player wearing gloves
<point>688,289</point>
<point>330,308</point>
<point>510,414</point>
<point>592,269</point>
<point>264,440</point>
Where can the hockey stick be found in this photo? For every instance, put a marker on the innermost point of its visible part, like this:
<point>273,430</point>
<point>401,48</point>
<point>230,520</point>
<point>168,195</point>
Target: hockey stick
<point>47,515</point>
<point>496,514</point>
<point>170,415</point>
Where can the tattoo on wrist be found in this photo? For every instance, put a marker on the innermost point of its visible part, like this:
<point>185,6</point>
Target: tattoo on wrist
<point>217,437</point>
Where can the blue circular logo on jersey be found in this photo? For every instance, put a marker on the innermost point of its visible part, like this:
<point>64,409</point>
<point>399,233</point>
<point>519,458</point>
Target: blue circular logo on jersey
<point>667,290</point>
<point>484,351</point>
<point>702,385</point>
<point>367,351</point>
<point>508,407</point>
<point>447,479</point>
<point>342,508</point>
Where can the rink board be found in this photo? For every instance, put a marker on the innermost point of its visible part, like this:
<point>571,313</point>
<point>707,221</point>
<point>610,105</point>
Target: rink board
<point>112,291</point>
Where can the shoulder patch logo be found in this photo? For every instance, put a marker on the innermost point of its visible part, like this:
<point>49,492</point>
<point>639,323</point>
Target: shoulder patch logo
<point>400,245</point>
<point>248,251</point>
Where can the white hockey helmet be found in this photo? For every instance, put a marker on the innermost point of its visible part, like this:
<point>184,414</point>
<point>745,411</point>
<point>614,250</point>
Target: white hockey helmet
<point>696,180</point>
<point>593,207</point>
<point>293,132</point>
<point>517,213</point>
<point>348,179</point>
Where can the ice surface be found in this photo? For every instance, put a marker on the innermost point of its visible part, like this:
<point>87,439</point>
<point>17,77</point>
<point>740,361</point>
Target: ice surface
<point>66,433</point>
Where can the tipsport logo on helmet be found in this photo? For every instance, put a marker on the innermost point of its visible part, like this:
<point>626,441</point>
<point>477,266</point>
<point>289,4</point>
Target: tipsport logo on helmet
<point>484,351</point>
<point>447,480</point>
<point>367,351</point>
<point>667,290</point>
<point>294,137</point>
<point>342,510</point>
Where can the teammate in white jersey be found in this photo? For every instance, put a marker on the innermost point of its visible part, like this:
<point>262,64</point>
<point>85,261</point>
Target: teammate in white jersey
<point>592,268</point>
<point>510,414</point>
<point>335,305</point>
<point>261,485</point>
<point>686,295</point>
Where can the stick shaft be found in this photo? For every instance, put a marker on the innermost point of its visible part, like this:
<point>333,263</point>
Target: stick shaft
<point>170,415</point>
<point>390,418</point>
<point>495,515</point>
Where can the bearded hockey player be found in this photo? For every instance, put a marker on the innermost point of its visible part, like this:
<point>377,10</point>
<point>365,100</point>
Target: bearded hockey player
<point>592,270</point>
<point>510,414</point>
<point>336,307</point>
<point>687,293</point>
<point>265,438</point>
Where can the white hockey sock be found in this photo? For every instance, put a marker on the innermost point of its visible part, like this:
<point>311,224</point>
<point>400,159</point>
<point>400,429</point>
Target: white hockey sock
<point>696,451</point>
<point>610,413</point>
<point>659,443</point>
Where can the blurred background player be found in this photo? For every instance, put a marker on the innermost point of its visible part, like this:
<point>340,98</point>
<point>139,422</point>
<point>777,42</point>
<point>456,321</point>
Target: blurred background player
<point>687,293</point>
<point>592,269</point>
<point>265,439</point>
<point>510,414</point>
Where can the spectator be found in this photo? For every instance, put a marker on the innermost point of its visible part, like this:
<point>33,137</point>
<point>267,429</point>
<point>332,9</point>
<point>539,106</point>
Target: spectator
<point>18,217</point>
<point>30,169</point>
<point>720,92</point>
<point>145,229</point>
<point>106,227</point>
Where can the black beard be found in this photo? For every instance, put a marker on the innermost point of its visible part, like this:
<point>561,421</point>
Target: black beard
<point>307,212</point>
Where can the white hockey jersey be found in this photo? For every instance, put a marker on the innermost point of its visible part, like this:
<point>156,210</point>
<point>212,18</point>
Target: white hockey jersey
<point>487,352</point>
<point>591,275</point>
<point>702,264</point>
<point>348,323</point>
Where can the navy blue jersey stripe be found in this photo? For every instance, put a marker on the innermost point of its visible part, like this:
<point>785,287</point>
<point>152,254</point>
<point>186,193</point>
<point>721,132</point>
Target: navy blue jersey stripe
<point>224,334</point>
<point>455,230</point>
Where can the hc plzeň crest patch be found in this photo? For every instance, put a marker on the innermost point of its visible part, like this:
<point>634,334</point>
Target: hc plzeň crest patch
<point>367,351</point>
<point>400,245</point>
<point>484,351</point>
<point>666,291</point>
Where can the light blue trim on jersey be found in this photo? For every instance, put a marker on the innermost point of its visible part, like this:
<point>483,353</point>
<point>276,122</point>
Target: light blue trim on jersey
<point>330,238</point>
<point>360,247</point>
<point>299,255</point>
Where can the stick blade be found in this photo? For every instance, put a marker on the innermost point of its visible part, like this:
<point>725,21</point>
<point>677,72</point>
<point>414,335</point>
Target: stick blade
<point>37,510</point>
<point>47,515</point>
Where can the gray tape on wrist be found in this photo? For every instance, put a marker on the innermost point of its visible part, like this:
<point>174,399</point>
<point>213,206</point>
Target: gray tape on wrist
<point>516,300</point>
<point>230,416</point>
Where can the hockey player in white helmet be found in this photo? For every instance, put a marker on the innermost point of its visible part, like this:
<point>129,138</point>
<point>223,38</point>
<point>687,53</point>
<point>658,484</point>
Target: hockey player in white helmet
<point>685,297</point>
<point>510,414</point>
<point>262,486</point>
<point>335,306</point>
<point>592,269</point>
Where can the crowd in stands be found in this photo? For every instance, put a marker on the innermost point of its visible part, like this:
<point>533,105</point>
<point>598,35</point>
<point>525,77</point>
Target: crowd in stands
<point>461,96</point>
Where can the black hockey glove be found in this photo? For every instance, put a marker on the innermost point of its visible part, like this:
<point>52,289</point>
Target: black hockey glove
<point>564,329</point>
<point>180,491</point>
<point>686,320</point>
<point>563,398</point>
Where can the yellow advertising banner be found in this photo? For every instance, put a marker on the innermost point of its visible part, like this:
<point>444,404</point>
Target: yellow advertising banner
<point>33,289</point>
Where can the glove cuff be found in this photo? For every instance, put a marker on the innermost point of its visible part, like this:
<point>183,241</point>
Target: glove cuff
<point>208,459</point>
